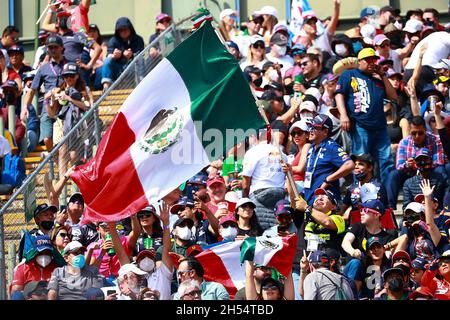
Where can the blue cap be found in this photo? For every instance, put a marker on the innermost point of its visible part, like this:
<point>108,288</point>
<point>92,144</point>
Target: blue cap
<point>374,204</point>
<point>328,193</point>
<point>419,263</point>
<point>423,152</point>
<point>367,12</point>
<point>283,207</point>
<point>319,256</point>
<point>232,44</point>
<point>184,201</point>
<point>199,178</point>
<point>373,240</point>
<point>43,243</point>
<point>323,121</point>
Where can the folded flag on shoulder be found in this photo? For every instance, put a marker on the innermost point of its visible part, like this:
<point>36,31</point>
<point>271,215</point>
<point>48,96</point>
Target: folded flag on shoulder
<point>162,134</point>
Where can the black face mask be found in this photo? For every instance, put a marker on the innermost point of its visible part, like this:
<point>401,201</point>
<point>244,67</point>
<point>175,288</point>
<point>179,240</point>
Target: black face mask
<point>360,176</point>
<point>258,82</point>
<point>429,23</point>
<point>10,97</point>
<point>47,225</point>
<point>395,284</point>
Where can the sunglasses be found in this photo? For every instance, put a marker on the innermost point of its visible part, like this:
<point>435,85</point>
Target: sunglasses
<point>368,210</point>
<point>297,133</point>
<point>304,64</point>
<point>259,44</point>
<point>144,215</point>
<point>269,287</point>
<point>247,206</point>
<point>193,293</point>
<point>65,235</point>
<point>417,133</point>
<point>401,260</point>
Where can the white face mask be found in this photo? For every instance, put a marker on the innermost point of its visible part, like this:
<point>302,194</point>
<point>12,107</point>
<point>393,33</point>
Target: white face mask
<point>305,115</point>
<point>184,233</point>
<point>280,51</point>
<point>43,261</point>
<point>273,75</point>
<point>229,233</point>
<point>341,49</point>
<point>147,264</point>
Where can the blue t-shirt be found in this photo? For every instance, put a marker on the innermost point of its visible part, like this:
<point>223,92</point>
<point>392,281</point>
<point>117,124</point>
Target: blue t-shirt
<point>363,98</point>
<point>321,162</point>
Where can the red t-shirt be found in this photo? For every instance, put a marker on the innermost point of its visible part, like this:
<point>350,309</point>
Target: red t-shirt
<point>27,272</point>
<point>80,19</point>
<point>297,176</point>
<point>440,288</point>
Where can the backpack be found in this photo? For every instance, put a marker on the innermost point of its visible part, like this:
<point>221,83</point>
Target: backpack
<point>340,292</point>
<point>13,170</point>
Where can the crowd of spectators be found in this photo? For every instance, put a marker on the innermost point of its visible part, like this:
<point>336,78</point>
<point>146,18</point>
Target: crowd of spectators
<point>353,118</point>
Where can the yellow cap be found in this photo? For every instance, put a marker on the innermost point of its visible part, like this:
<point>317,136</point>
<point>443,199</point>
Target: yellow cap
<point>441,79</point>
<point>367,53</point>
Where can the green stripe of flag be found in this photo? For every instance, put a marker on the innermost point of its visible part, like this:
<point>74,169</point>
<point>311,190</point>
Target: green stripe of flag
<point>248,249</point>
<point>220,95</point>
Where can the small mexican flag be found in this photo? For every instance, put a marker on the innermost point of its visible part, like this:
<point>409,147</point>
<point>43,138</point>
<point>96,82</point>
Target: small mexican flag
<point>276,252</point>
<point>203,15</point>
<point>177,121</point>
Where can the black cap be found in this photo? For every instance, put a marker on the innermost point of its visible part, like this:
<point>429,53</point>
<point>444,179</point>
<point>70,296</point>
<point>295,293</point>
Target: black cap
<point>365,157</point>
<point>280,126</point>
<point>10,84</point>
<point>274,85</point>
<point>55,40</point>
<point>76,196</point>
<point>279,39</point>
<point>28,75</point>
<point>181,220</point>
<point>257,17</point>
<point>44,207</point>
<point>270,95</point>
<point>252,69</point>
<point>322,120</point>
<point>70,68</point>
<point>43,34</point>
<point>15,48</point>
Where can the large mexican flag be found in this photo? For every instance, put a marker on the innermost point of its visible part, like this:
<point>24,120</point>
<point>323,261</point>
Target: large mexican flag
<point>170,127</point>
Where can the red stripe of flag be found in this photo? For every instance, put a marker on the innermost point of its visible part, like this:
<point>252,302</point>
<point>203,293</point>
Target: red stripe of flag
<point>282,260</point>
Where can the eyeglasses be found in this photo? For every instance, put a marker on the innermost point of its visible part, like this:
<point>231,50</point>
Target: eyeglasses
<point>417,133</point>
<point>259,44</point>
<point>269,287</point>
<point>183,272</point>
<point>304,63</point>
<point>193,294</point>
<point>65,235</point>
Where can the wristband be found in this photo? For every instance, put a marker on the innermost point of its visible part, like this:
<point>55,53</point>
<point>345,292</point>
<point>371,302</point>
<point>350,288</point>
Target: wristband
<point>166,227</point>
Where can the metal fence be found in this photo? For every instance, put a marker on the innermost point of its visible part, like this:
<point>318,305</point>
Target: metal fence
<point>79,144</point>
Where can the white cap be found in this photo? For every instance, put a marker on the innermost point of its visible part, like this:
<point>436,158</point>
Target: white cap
<point>72,246</point>
<point>416,207</point>
<point>244,201</point>
<point>314,92</point>
<point>267,10</point>
<point>302,124</point>
<point>368,191</point>
<point>368,31</point>
<point>226,12</point>
<point>442,64</point>
<point>280,27</point>
<point>256,37</point>
<point>307,105</point>
<point>129,267</point>
<point>413,26</point>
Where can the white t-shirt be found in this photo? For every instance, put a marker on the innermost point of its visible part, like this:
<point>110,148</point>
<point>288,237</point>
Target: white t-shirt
<point>438,48</point>
<point>285,60</point>
<point>323,42</point>
<point>160,280</point>
<point>262,164</point>
<point>393,55</point>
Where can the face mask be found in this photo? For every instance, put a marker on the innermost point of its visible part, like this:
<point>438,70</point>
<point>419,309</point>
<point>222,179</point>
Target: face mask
<point>280,51</point>
<point>357,46</point>
<point>184,233</point>
<point>78,261</point>
<point>360,176</point>
<point>341,49</point>
<point>47,225</point>
<point>428,23</point>
<point>147,264</point>
<point>395,284</point>
<point>305,115</point>
<point>44,260</point>
<point>398,25</point>
<point>229,233</point>
<point>273,75</point>
<point>258,82</point>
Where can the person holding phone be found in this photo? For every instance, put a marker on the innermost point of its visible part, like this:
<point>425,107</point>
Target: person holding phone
<point>285,225</point>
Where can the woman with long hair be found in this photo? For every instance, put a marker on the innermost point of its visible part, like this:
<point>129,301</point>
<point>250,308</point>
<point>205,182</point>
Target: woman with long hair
<point>227,24</point>
<point>256,53</point>
<point>248,224</point>
<point>151,230</point>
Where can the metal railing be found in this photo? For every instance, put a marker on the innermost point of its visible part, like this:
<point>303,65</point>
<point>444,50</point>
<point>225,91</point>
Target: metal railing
<point>80,143</point>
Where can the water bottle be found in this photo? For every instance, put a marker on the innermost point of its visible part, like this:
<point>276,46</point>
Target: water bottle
<point>111,252</point>
<point>297,94</point>
<point>148,243</point>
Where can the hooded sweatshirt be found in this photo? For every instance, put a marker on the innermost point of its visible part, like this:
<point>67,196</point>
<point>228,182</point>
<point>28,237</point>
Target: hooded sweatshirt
<point>134,42</point>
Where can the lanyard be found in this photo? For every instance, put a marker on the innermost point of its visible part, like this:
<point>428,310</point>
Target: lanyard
<point>55,73</point>
<point>315,162</point>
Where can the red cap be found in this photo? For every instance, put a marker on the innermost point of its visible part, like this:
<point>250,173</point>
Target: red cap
<point>214,180</point>
<point>146,253</point>
<point>63,13</point>
<point>228,217</point>
<point>421,292</point>
<point>401,254</point>
<point>193,250</point>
